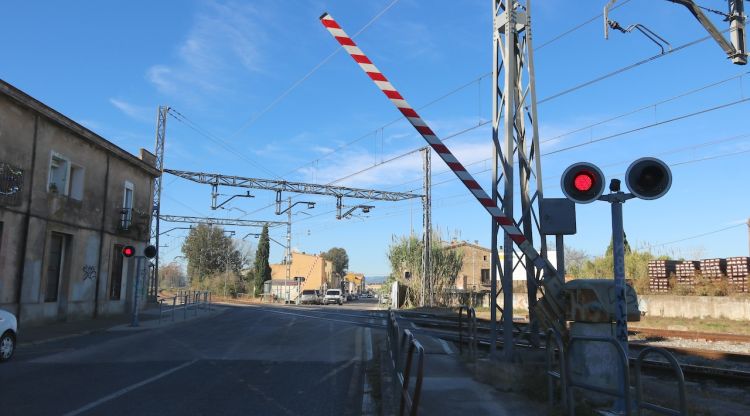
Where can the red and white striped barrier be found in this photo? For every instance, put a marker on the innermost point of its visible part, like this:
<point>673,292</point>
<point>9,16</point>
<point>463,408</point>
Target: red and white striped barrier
<point>387,88</point>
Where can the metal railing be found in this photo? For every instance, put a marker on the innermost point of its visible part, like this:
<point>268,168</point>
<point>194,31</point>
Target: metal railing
<point>397,343</point>
<point>185,300</point>
<point>623,392</point>
<point>561,375</point>
<point>471,318</point>
<point>680,383</point>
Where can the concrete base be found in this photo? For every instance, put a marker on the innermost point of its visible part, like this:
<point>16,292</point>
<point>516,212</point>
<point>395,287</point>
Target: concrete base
<point>594,362</point>
<point>526,374</point>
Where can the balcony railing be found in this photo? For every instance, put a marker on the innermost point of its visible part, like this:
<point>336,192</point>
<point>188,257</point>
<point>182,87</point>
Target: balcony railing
<point>126,218</point>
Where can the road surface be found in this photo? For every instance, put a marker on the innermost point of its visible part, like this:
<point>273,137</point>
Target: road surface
<point>259,360</point>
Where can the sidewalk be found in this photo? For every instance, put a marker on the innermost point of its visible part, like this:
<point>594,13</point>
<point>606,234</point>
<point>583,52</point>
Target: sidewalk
<point>449,387</point>
<point>147,319</point>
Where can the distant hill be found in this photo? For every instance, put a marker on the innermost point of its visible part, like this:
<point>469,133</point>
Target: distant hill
<point>375,279</point>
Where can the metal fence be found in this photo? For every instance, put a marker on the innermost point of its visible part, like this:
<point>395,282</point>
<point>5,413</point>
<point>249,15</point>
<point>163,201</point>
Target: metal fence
<point>471,323</point>
<point>185,300</point>
<point>398,344</point>
<point>567,384</point>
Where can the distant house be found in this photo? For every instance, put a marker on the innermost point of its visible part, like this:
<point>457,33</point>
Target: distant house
<point>475,272</point>
<point>317,272</point>
<point>69,201</point>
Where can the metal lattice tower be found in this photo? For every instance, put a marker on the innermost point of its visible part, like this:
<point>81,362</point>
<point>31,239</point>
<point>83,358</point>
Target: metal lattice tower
<point>515,137</point>
<point>161,127</point>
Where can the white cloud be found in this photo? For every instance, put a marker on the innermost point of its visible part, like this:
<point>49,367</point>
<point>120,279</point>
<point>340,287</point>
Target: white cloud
<point>226,35</point>
<point>133,111</point>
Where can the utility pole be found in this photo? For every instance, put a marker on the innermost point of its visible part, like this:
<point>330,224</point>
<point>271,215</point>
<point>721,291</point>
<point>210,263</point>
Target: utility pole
<point>161,128</point>
<point>514,118</point>
<point>427,282</point>
<point>288,250</point>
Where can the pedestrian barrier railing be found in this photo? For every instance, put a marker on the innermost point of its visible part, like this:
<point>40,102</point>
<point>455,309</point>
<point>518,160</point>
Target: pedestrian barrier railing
<point>404,366</point>
<point>471,323</point>
<point>555,348</point>
<point>680,383</point>
<point>623,390</point>
<point>560,376</point>
<point>184,299</point>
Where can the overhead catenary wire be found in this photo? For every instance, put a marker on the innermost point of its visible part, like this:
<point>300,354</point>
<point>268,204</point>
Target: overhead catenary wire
<point>456,89</point>
<point>299,82</point>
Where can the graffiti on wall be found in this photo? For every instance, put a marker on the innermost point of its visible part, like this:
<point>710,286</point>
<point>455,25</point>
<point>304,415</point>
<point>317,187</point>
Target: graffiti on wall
<point>89,272</point>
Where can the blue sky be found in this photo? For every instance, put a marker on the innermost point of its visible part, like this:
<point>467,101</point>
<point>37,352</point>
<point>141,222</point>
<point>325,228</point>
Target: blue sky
<point>256,77</point>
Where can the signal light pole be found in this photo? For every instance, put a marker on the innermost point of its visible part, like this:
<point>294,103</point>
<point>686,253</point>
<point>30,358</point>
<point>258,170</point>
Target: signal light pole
<point>646,178</point>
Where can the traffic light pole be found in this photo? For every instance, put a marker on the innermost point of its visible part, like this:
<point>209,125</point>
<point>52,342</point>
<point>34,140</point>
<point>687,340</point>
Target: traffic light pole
<point>136,293</point>
<point>617,198</point>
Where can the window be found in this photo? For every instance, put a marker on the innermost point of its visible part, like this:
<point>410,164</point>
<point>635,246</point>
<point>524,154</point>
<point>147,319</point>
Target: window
<point>127,205</point>
<point>58,174</point>
<point>76,182</point>
<point>484,258</point>
<point>65,178</point>
<point>54,266</point>
<point>485,276</point>
<point>115,273</point>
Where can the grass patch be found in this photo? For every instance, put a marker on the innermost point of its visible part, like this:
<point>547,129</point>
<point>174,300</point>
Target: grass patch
<point>700,325</point>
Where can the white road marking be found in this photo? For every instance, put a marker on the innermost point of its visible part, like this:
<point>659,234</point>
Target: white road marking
<point>446,347</point>
<point>128,389</point>
<point>368,344</point>
<point>413,325</point>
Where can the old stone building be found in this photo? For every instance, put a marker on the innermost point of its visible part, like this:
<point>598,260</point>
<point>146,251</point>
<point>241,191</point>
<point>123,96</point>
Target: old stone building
<point>69,201</point>
<point>475,272</point>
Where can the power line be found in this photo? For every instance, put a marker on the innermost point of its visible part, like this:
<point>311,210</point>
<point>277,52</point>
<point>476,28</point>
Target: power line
<point>297,83</point>
<point>647,126</point>
<point>624,69</point>
<point>700,235</point>
<point>193,126</point>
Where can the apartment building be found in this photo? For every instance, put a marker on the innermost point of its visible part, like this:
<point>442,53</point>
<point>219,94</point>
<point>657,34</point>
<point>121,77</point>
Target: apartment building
<point>69,201</point>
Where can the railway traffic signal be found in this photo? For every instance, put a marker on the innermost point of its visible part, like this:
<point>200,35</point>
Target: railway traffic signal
<point>128,251</point>
<point>648,178</point>
<point>582,182</point>
<point>149,252</point>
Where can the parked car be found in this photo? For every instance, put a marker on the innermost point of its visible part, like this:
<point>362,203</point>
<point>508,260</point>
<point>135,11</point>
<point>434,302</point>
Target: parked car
<point>9,334</point>
<point>333,296</point>
<point>310,297</point>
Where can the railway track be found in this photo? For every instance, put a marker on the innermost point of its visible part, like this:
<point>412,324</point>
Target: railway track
<point>446,327</point>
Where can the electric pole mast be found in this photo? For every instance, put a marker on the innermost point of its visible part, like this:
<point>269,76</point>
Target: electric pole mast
<point>161,127</point>
<point>427,283</point>
<point>514,119</point>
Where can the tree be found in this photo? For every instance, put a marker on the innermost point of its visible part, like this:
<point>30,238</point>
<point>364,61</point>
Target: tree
<point>261,268</point>
<point>210,252</point>
<point>339,258</point>
<point>405,255</point>
<point>170,275</point>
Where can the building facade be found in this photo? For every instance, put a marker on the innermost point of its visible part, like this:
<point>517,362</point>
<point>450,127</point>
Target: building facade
<point>317,272</point>
<point>69,201</point>
<point>475,272</point>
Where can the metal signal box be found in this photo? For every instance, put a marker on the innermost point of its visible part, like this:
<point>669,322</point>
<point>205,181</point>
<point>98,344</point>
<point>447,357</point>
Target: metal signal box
<point>595,300</point>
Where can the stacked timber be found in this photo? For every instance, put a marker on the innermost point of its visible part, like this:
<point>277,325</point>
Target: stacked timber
<point>713,269</point>
<point>738,269</point>
<point>686,271</point>
<point>659,272</point>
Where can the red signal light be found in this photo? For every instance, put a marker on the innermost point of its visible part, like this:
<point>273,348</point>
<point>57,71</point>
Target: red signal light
<point>128,251</point>
<point>583,181</point>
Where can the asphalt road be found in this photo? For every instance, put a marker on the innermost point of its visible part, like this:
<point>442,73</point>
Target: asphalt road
<point>247,360</point>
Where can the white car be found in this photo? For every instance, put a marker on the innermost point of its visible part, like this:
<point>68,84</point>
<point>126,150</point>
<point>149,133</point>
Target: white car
<point>333,296</point>
<point>8,333</point>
